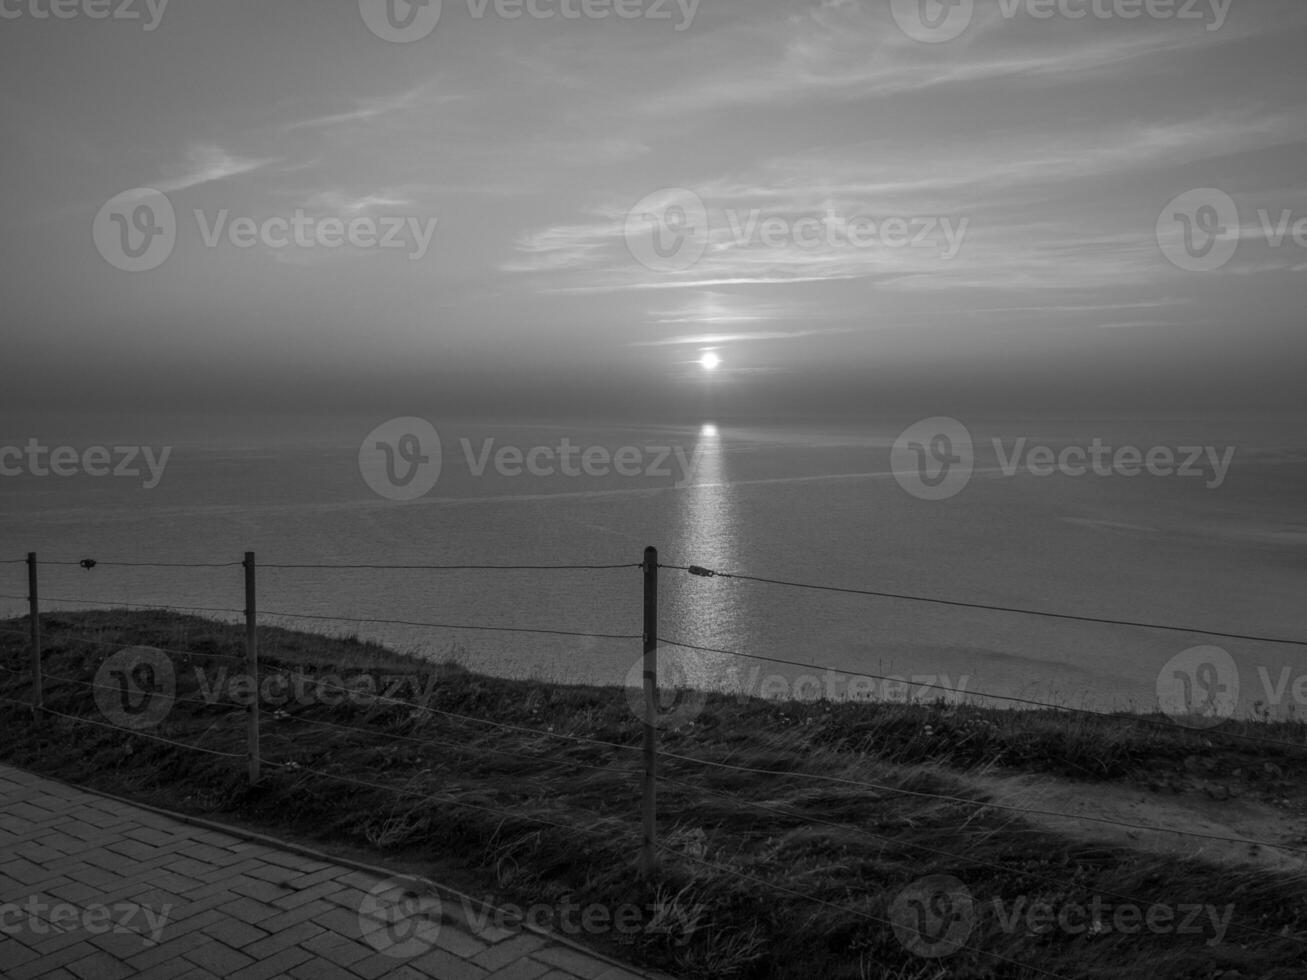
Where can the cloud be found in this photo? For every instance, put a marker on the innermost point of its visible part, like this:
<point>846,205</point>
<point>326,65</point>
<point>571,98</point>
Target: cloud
<point>367,109</point>
<point>339,203</point>
<point>727,338</point>
<point>206,163</point>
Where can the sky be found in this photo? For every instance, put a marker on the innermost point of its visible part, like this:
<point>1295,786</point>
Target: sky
<point>982,210</point>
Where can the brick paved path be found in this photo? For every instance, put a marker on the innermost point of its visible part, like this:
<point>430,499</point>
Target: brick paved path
<point>91,888</point>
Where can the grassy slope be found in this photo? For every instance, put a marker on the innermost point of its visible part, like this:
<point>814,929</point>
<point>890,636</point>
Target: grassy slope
<point>793,877</point>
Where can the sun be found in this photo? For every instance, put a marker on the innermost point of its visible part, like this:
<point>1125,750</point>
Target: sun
<point>709,361</point>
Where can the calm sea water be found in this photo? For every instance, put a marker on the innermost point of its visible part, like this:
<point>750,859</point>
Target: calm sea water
<point>815,504</point>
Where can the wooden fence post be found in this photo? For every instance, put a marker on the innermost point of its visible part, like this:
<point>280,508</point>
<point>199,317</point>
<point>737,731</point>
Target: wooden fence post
<point>34,612</point>
<point>252,665</point>
<point>648,856</point>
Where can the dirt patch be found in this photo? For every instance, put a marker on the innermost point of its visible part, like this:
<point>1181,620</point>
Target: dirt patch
<point>1191,809</point>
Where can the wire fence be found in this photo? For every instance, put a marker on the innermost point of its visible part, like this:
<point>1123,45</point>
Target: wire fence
<point>133,685</point>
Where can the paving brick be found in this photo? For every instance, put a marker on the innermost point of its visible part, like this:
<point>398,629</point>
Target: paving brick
<point>458,942</point>
<point>56,939</point>
<point>74,891</point>
<point>617,973</point>
<point>570,961</point>
<point>36,852</point>
<point>150,835</point>
<point>278,922</point>
<point>227,909</point>
<point>502,954</point>
<point>248,910</point>
<point>184,864</point>
<point>335,948</point>
<point>196,923</point>
<point>317,970</point>
<point>294,861</point>
<point>340,921</point>
<point>520,970</point>
<point>276,965</point>
<point>14,953</point>
<point>217,958</point>
<point>296,899</point>
<point>374,966</point>
<point>23,870</point>
<point>234,933</point>
<point>301,882</point>
<point>447,966</point>
<point>49,961</point>
<point>290,936</point>
<point>168,951</point>
<point>191,907</point>
<point>257,889</point>
<point>274,873</point>
<point>121,944</point>
<point>209,853</point>
<point>99,966</point>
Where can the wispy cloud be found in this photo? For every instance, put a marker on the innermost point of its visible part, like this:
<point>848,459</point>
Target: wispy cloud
<point>206,163</point>
<point>367,109</point>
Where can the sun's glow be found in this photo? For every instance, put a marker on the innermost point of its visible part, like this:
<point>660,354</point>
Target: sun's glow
<point>709,361</point>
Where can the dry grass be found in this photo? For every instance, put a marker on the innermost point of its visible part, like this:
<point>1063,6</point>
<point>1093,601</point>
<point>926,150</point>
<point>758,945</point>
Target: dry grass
<point>764,876</point>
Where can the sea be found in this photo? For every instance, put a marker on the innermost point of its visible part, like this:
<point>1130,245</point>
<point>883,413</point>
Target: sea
<point>875,588</point>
